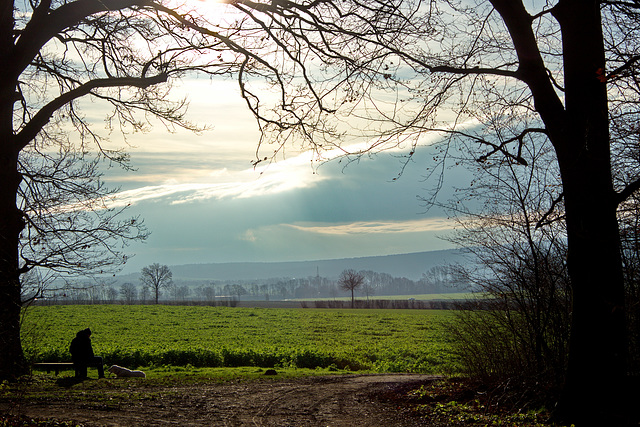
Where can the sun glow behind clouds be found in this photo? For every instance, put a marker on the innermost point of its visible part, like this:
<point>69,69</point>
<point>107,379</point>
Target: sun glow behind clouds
<point>287,175</point>
<point>183,186</point>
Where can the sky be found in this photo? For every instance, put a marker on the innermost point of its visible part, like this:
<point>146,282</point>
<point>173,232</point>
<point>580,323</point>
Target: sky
<point>204,202</point>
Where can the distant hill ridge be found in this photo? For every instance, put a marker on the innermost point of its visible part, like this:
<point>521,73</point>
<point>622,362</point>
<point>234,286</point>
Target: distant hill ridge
<point>411,266</point>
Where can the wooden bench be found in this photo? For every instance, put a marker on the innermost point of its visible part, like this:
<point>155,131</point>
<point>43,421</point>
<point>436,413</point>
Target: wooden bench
<point>81,370</point>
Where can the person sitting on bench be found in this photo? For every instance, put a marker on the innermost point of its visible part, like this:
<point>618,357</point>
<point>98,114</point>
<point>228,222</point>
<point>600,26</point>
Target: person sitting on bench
<point>82,354</point>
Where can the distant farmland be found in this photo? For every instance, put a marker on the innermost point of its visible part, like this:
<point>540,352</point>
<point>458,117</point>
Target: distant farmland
<point>134,336</point>
<point>456,296</point>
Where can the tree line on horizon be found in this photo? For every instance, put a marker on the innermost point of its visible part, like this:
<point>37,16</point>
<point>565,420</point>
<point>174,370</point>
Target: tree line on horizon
<point>438,279</point>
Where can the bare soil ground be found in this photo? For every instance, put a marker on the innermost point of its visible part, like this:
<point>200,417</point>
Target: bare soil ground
<point>340,400</point>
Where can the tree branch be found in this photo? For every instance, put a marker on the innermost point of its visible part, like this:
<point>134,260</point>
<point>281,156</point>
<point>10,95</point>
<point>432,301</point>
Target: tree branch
<point>531,69</point>
<point>45,26</point>
<point>543,221</point>
<point>501,148</point>
<point>627,65</point>
<point>42,117</point>
<point>627,191</point>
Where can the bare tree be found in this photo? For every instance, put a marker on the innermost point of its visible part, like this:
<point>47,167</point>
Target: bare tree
<point>70,230</point>
<point>519,327</point>
<point>368,289</point>
<point>111,293</point>
<point>350,281</point>
<point>180,293</point>
<point>208,292</point>
<point>144,294</point>
<point>441,279</point>
<point>156,277</point>
<point>236,291</point>
<point>629,216</point>
<point>128,292</point>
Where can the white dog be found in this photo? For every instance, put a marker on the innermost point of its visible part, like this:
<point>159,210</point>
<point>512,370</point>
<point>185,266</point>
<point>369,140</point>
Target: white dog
<point>120,372</point>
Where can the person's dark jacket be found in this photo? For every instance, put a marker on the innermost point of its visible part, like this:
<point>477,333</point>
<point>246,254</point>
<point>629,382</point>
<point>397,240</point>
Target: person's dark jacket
<point>81,350</point>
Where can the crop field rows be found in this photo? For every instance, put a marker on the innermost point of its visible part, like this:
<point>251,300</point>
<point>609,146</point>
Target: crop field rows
<point>157,335</point>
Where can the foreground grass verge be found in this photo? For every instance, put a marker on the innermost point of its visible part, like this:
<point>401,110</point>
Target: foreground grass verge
<point>156,336</point>
<point>43,386</point>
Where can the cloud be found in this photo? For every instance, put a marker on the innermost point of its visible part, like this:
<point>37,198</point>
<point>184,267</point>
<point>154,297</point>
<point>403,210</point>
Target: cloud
<point>199,180</point>
<point>221,184</point>
<point>378,227</point>
<point>181,167</point>
<point>184,185</point>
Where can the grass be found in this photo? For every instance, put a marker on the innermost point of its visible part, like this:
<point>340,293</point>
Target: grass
<point>461,402</point>
<point>41,386</point>
<point>155,336</point>
<point>176,345</point>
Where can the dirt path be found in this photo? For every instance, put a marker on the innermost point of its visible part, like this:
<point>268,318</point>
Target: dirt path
<point>350,400</point>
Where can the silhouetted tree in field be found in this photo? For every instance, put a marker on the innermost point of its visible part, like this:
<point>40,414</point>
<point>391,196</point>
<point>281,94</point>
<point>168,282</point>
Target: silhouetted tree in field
<point>156,277</point>
<point>350,280</point>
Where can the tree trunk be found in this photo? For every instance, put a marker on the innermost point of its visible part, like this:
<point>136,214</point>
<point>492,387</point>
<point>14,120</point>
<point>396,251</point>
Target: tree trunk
<point>12,363</point>
<point>598,347</point>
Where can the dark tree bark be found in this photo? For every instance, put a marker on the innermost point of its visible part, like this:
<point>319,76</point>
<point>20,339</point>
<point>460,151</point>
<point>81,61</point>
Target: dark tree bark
<point>12,362</point>
<point>598,334</point>
<point>11,221</point>
<point>579,133</point>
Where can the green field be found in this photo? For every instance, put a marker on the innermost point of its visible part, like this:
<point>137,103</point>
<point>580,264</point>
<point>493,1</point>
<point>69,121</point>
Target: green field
<point>148,336</point>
